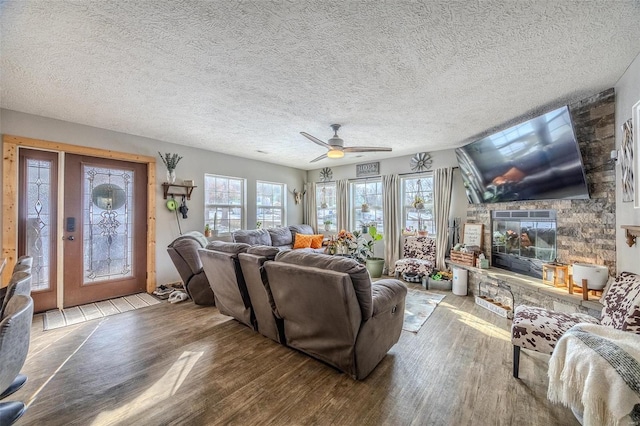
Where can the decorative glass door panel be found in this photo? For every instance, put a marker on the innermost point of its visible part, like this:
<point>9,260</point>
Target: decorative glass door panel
<point>37,224</point>
<point>108,200</point>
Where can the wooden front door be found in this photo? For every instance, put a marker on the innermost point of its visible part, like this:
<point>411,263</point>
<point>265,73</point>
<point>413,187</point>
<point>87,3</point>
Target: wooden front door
<point>105,212</point>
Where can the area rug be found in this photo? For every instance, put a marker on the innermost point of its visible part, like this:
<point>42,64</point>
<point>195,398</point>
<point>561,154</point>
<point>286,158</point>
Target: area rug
<point>418,306</point>
<point>60,318</point>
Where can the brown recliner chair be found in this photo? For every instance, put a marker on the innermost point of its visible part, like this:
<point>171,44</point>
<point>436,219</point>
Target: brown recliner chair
<point>251,263</point>
<point>333,312</point>
<point>222,267</point>
<point>184,254</point>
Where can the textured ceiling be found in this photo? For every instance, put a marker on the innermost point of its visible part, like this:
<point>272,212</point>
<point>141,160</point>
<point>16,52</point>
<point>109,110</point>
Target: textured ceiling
<point>242,77</point>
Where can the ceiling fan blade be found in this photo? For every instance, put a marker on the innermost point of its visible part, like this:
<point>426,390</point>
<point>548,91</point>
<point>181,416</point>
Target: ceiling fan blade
<point>319,158</point>
<point>315,140</point>
<point>365,149</point>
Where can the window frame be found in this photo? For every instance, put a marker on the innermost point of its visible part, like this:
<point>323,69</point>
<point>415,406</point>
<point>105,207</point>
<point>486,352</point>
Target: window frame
<point>282,207</point>
<point>407,198</point>
<point>242,206</point>
<point>355,204</point>
<point>323,214</point>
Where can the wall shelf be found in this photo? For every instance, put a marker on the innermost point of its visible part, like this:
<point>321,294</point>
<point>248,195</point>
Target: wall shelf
<point>631,232</point>
<point>187,190</point>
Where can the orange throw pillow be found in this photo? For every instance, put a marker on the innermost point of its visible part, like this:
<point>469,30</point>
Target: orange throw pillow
<point>302,241</point>
<point>316,241</point>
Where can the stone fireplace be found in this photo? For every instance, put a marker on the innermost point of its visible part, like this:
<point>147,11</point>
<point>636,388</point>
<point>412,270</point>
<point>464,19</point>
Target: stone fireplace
<point>522,240</point>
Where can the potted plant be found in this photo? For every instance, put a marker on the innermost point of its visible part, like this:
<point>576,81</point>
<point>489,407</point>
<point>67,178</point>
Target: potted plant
<point>327,225</point>
<point>207,230</point>
<point>365,253</point>
<point>418,202</point>
<point>258,225</point>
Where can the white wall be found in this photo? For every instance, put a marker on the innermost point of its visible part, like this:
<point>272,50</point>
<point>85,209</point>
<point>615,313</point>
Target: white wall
<point>401,165</point>
<point>194,165</point>
<point>627,94</point>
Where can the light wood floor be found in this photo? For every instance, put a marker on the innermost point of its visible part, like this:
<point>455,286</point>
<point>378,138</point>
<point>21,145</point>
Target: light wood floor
<point>183,364</point>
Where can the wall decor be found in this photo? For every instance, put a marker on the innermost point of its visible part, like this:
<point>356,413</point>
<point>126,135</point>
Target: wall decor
<point>626,162</point>
<point>421,162</point>
<point>472,234</point>
<point>171,162</point>
<point>326,174</point>
<point>368,169</point>
<point>635,116</point>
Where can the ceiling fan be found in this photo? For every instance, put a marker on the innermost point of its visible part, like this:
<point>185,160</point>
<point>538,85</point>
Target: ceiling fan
<point>336,147</point>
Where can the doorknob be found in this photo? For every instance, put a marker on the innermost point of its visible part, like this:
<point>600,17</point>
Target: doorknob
<point>70,238</point>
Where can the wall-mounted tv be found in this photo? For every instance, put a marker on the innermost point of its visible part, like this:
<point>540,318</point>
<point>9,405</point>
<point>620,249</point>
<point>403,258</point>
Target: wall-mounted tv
<point>535,160</point>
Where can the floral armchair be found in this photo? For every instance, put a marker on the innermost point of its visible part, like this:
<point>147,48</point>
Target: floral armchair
<point>419,259</point>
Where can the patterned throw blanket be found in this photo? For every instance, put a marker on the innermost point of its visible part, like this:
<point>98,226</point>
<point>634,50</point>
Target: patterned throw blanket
<point>596,370</point>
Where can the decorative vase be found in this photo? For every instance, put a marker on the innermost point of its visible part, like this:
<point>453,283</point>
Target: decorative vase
<point>327,227</point>
<point>171,176</point>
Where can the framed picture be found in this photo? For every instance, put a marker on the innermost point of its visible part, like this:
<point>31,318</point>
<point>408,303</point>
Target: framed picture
<point>635,123</point>
<point>472,234</point>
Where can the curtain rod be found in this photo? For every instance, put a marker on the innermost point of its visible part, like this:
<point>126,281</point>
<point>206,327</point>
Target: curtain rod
<point>380,176</point>
<point>417,173</point>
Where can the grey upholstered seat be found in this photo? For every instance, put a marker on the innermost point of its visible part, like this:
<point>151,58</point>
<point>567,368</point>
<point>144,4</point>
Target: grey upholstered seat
<point>251,263</point>
<point>184,254</point>
<point>222,267</point>
<point>333,312</point>
<point>20,284</point>
<point>15,329</point>
<point>24,264</point>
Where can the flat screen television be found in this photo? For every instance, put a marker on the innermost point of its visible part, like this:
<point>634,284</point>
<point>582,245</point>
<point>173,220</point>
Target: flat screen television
<point>535,160</point>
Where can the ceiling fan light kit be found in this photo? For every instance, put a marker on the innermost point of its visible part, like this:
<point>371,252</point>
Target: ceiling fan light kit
<point>335,153</point>
<point>336,148</point>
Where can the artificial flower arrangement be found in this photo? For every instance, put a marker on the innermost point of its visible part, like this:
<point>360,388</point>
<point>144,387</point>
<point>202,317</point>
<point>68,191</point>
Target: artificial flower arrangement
<point>345,243</point>
<point>170,162</point>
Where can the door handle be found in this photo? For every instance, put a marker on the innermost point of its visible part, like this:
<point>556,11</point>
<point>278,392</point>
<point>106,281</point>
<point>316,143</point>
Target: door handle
<point>70,238</point>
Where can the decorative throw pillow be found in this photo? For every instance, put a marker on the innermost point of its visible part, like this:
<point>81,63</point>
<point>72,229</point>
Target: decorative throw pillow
<point>316,241</point>
<point>302,241</point>
<point>620,301</point>
<point>280,236</point>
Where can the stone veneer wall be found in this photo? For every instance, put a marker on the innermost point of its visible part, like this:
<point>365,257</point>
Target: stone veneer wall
<point>586,228</point>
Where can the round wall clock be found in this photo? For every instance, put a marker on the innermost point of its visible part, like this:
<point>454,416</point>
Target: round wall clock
<point>326,174</point>
<point>421,162</point>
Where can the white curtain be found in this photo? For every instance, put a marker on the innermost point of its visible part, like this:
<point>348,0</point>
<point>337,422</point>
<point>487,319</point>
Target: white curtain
<point>442,184</point>
<point>342,204</point>
<point>391,220</point>
<point>309,215</point>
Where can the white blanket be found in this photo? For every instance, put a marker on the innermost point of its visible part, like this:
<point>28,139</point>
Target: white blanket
<point>596,370</point>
